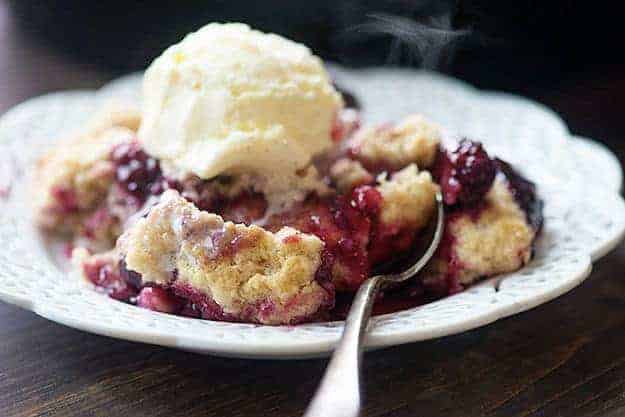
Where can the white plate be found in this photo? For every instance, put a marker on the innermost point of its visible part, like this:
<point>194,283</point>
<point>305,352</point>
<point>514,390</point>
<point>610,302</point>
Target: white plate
<point>579,180</point>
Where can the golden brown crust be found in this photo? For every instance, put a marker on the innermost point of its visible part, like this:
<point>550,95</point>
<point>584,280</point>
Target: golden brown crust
<point>499,241</point>
<point>237,266</point>
<point>408,198</point>
<point>72,181</point>
<point>348,173</point>
<point>413,140</point>
<point>79,170</point>
<point>495,240</point>
<point>79,165</point>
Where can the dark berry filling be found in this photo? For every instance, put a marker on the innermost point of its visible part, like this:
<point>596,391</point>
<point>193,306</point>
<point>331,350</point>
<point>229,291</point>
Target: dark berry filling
<point>106,276</point>
<point>344,224</point>
<point>200,304</point>
<point>355,240</point>
<point>136,172</point>
<point>131,277</point>
<point>464,174</point>
<point>159,299</point>
<point>245,208</point>
<point>344,230</point>
<point>200,192</point>
<point>524,192</point>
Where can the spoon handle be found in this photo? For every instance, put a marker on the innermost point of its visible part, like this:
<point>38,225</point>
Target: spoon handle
<point>339,393</point>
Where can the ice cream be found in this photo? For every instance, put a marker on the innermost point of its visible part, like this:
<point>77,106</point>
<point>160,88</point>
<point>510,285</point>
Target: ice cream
<point>228,99</point>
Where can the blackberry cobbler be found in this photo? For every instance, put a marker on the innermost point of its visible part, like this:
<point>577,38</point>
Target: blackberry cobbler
<point>266,201</point>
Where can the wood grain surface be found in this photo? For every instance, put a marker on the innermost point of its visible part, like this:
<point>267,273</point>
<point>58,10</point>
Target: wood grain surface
<point>564,358</point>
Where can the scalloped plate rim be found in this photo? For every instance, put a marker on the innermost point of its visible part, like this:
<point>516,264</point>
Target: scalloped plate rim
<point>301,349</point>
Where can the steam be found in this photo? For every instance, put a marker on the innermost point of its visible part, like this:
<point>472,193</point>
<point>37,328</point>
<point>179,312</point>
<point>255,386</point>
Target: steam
<point>429,40</point>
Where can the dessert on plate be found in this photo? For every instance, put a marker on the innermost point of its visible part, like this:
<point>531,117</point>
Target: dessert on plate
<point>246,190</point>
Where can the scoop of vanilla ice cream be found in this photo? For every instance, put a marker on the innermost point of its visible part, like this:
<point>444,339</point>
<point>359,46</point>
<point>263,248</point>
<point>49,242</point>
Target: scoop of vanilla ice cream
<point>228,99</point>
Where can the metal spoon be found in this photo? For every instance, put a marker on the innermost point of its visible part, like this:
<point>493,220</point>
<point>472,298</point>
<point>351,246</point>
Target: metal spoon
<point>339,393</point>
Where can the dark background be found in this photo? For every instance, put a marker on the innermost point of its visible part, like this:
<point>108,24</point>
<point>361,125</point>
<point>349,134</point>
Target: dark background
<point>548,50</point>
<point>563,358</point>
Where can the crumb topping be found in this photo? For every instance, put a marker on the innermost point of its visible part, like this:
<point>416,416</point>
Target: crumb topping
<point>347,174</point>
<point>236,265</point>
<point>491,239</point>
<point>252,248</point>
<point>408,198</point>
<point>498,240</point>
<point>413,140</point>
<point>73,182</point>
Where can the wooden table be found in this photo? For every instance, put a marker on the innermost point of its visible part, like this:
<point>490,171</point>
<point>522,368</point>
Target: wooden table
<point>565,358</point>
